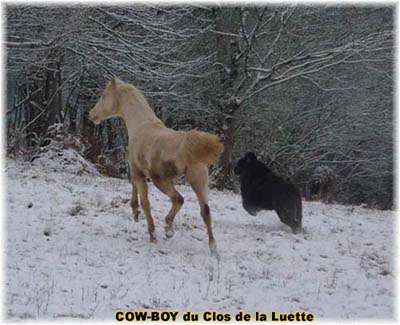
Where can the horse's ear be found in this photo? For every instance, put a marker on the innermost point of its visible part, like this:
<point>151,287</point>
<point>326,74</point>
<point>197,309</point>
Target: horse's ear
<point>113,82</point>
<point>250,156</point>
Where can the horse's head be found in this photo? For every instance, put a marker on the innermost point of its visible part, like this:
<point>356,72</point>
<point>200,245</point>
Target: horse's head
<point>108,104</point>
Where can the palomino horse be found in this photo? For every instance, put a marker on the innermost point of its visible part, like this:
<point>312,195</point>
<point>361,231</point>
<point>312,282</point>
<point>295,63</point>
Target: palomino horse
<point>157,152</point>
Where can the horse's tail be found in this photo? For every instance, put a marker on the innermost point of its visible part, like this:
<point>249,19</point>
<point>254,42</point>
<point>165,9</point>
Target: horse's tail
<point>201,147</point>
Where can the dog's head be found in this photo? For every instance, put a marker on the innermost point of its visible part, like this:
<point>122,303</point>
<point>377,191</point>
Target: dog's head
<point>315,190</point>
<point>245,162</point>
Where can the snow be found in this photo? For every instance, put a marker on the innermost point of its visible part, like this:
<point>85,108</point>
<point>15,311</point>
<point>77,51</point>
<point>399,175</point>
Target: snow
<point>73,251</point>
<point>67,160</point>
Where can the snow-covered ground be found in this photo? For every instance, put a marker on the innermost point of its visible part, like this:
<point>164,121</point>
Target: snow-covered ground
<point>73,251</point>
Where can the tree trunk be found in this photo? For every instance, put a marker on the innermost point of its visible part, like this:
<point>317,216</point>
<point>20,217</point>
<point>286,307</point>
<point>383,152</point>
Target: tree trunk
<point>229,74</point>
<point>226,156</point>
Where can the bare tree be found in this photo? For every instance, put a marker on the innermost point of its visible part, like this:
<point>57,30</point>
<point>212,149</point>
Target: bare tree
<point>303,86</point>
<point>256,58</point>
<point>66,58</point>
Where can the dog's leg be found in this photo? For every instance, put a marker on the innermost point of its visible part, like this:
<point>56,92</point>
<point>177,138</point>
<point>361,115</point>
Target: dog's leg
<point>141,184</point>
<point>250,209</point>
<point>167,187</point>
<point>197,177</point>
<point>289,217</point>
<point>330,192</point>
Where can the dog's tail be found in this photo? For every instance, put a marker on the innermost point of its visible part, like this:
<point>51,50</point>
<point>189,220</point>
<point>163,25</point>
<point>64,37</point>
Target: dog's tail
<point>200,147</point>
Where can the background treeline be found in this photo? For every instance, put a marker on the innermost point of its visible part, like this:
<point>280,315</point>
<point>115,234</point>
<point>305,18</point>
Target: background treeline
<point>302,86</point>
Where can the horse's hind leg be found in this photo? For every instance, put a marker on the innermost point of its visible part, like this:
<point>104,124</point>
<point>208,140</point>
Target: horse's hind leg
<point>166,186</point>
<point>197,177</point>
<point>141,184</point>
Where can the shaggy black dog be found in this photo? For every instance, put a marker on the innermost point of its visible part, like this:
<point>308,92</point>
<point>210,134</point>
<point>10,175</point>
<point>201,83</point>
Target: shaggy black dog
<point>263,190</point>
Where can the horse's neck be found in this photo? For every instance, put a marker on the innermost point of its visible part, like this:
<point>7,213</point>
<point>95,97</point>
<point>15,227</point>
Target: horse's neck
<point>136,114</point>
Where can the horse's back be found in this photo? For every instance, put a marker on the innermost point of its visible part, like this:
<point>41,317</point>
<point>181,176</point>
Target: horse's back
<point>155,151</point>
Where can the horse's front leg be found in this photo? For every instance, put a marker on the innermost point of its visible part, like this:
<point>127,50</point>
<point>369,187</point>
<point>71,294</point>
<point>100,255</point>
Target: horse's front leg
<point>135,201</point>
<point>141,184</point>
<point>134,198</point>
<point>167,187</point>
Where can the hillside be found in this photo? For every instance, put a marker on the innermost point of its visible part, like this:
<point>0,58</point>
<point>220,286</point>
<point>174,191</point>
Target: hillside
<point>73,251</point>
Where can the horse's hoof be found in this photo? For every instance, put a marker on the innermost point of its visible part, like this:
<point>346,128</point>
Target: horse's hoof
<point>169,232</point>
<point>136,216</point>
<point>153,240</point>
<point>216,255</point>
<point>214,251</point>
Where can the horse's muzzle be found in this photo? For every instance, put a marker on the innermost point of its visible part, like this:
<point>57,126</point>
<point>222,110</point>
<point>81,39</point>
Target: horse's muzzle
<point>92,117</point>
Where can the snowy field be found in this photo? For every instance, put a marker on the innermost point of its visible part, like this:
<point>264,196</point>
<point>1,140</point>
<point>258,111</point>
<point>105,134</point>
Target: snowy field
<point>73,251</point>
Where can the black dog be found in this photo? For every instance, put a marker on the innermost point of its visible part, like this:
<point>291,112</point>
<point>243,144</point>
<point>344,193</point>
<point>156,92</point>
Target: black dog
<point>263,190</point>
<point>322,184</point>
